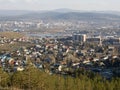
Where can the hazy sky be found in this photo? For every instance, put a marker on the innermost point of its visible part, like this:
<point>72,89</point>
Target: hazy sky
<point>55,4</point>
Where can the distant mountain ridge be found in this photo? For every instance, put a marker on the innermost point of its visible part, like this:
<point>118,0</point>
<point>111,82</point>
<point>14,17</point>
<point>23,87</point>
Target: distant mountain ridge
<point>59,14</point>
<point>61,10</point>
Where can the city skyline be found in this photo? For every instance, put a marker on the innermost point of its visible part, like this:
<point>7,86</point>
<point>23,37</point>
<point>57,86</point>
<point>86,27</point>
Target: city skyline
<point>98,5</point>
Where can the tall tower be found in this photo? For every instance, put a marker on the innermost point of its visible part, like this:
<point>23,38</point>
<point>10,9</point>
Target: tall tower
<point>119,39</point>
<point>84,37</point>
<point>79,37</point>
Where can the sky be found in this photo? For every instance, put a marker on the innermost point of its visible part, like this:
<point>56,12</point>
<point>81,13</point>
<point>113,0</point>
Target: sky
<point>98,5</point>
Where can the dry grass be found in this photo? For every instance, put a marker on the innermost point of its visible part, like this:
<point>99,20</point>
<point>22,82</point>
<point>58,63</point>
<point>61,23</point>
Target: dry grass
<point>11,34</point>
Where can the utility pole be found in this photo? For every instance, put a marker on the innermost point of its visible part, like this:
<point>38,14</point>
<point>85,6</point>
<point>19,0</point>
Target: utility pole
<point>100,40</point>
<point>0,81</point>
